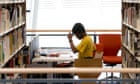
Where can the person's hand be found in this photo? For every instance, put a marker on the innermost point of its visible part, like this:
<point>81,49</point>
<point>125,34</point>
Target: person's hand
<point>70,36</point>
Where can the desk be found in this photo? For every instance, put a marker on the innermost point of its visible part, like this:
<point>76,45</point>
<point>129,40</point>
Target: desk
<point>65,56</point>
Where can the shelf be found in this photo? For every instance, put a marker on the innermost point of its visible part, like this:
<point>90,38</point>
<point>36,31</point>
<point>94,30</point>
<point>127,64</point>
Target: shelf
<point>11,29</point>
<point>11,2</point>
<point>12,36</point>
<point>131,36</point>
<point>129,50</point>
<point>130,75</point>
<point>138,59</point>
<point>131,1</point>
<point>5,61</point>
<point>124,66</point>
<point>131,27</point>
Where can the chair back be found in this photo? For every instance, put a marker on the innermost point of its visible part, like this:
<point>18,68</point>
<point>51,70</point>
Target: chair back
<point>95,62</point>
<point>111,43</point>
<point>99,51</point>
<point>89,63</point>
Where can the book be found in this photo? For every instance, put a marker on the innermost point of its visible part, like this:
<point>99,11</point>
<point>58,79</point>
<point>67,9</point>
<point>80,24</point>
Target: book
<point>1,52</point>
<point>138,20</point>
<point>6,47</point>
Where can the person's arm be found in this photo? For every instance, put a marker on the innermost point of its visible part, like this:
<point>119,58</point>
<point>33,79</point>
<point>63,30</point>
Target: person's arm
<point>71,43</point>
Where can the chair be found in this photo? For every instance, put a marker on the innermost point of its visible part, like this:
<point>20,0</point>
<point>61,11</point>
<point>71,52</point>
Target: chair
<point>99,51</point>
<point>111,45</point>
<point>96,62</point>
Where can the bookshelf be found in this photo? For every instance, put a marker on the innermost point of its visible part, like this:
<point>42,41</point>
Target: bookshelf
<point>12,34</point>
<point>130,36</point>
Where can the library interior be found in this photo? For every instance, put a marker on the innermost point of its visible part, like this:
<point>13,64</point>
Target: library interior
<point>69,41</point>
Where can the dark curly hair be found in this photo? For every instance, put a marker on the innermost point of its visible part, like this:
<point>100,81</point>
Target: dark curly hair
<point>78,28</point>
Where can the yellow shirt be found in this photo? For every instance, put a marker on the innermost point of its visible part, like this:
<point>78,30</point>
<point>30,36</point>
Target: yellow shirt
<point>86,47</point>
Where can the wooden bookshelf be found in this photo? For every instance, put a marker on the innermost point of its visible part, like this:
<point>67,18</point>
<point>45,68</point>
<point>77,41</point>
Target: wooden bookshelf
<point>11,1</point>
<point>12,34</point>
<point>130,36</point>
<point>131,1</point>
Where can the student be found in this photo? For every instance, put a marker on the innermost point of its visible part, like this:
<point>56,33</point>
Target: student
<point>86,47</point>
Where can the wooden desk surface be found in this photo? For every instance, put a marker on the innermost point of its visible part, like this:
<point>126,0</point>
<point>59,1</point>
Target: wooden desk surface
<point>65,55</point>
<point>52,59</point>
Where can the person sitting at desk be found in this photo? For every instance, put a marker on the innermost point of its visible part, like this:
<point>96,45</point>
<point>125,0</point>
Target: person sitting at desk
<point>86,47</point>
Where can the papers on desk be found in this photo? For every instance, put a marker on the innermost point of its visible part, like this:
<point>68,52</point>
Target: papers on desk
<point>65,58</point>
<point>54,52</point>
<point>55,55</point>
<point>66,55</point>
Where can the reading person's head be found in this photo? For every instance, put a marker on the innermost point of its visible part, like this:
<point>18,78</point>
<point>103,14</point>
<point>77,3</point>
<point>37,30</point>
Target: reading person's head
<point>79,30</point>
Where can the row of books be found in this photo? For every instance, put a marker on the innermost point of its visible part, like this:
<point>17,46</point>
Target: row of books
<point>18,61</point>
<point>128,37</point>
<point>12,35</point>
<point>131,40</point>
<point>10,16</point>
<point>10,0</point>
<point>131,16</point>
<point>10,43</point>
<point>129,61</point>
<point>131,37</point>
<point>132,1</point>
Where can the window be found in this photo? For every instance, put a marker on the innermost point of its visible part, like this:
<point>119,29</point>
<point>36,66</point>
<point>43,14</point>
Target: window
<point>94,14</point>
<point>62,14</point>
